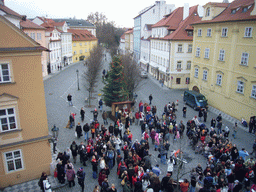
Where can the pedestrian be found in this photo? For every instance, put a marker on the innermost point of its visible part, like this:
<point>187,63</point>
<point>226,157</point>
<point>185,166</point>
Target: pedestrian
<point>74,150</point>
<point>234,130</point>
<point>71,121</point>
<point>70,173</point>
<point>81,176</point>
<point>219,126</point>
<point>94,167</point>
<point>69,97</point>
<point>100,105</point>
<point>113,188</point>
<point>86,129</point>
<point>137,117</point>
<point>78,130</point>
<point>254,148</point>
<point>156,170</point>
<point>205,114</point>
<point>200,113</point>
<point>47,186</point>
<point>170,164</point>
<point>40,182</point>
<point>95,114</point>
<point>82,112</point>
<point>243,153</point>
<point>96,189</point>
<point>184,110</point>
<point>219,118</point>
<point>105,185</point>
<point>105,117</point>
<point>213,123</point>
<point>150,99</point>
<point>141,106</point>
<point>61,172</point>
<point>110,157</point>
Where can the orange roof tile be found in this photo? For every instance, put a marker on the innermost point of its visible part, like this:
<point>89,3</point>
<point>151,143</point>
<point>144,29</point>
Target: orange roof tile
<point>81,35</point>
<point>9,11</point>
<point>30,25</point>
<point>129,31</point>
<point>239,15</point>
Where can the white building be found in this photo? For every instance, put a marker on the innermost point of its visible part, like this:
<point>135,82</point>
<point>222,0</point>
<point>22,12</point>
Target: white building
<point>171,46</point>
<point>122,44</point>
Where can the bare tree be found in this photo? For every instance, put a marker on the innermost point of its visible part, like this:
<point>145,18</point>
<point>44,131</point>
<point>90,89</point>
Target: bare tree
<point>94,66</point>
<point>131,73</point>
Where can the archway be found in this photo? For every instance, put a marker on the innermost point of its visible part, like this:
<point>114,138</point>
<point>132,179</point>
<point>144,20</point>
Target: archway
<point>196,89</point>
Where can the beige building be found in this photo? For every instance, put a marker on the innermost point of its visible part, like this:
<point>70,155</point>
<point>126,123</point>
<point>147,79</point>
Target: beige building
<point>24,147</point>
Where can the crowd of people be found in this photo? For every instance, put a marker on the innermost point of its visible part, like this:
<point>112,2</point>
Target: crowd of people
<point>227,168</point>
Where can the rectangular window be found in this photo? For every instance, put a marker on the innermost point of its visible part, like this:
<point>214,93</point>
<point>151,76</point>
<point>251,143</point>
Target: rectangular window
<point>179,65</point>
<point>244,59</point>
<point>190,48</point>
<point>224,32</point>
<point>7,119</point>
<point>219,79</point>
<point>253,95</point>
<point>74,52</point>
<point>196,72</point>
<point>206,53</point>
<point>199,33</point>
<point>33,36</point>
<point>188,65</point>
<point>85,50</point>
<point>248,32</point>
<point>177,80</point>
<point>39,36</point>
<point>240,87</point>
<point>80,44</point>
<point>187,80</point>
<point>74,44</point>
<point>5,73</point>
<point>198,52</point>
<point>179,48</point>
<point>209,32</point>
<point>81,51</point>
<point>205,73</point>
<point>222,55</point>
<point>13,160</point>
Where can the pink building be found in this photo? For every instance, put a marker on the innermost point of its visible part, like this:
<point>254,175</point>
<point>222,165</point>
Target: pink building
<point>37,33</point>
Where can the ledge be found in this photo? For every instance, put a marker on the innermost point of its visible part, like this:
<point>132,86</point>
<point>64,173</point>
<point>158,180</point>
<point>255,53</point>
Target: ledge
<point>243,65</point>
<point>240,93</point>
<point>6,83</point>
<point>12,131</point>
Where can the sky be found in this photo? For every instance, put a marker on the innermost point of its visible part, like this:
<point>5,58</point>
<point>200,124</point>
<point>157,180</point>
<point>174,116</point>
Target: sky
<point>119,11</point>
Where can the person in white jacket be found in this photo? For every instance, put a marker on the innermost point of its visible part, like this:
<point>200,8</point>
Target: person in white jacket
<point>118,144</point>
<point>170,164</point>
<point>102,163</point>
<point>47,186</point>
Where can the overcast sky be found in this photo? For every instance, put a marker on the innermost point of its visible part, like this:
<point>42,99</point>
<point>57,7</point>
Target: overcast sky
<point>120,11</point>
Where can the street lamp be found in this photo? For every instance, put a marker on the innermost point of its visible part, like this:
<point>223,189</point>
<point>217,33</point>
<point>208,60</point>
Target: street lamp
<point>77,73</point>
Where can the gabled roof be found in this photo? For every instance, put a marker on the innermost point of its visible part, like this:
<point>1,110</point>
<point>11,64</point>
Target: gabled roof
<point>45,20</point>
<point>214,4</point>
<point>180,32</point>
<point>30,25</point>
<point>239,15</point>
<point>9,11</point>
<point>171,20</point>
<point>145,10</point>
<point>75,22</point>
<point>81,35</point>
<point>129,31</point>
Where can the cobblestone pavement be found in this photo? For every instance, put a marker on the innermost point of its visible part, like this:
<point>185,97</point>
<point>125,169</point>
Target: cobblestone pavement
<point>59,86</point>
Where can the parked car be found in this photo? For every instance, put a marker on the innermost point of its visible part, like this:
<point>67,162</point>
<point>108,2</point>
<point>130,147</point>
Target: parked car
<point>195,100</point>
<point>143,74</point>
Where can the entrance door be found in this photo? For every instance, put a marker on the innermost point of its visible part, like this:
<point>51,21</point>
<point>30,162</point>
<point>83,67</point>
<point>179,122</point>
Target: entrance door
<point>196,89</point>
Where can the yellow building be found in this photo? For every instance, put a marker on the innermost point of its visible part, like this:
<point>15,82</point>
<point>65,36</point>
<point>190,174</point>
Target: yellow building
<point>129,41</point>
<point>82,42</point>
<point>24,147</point>
<point>223,65</point>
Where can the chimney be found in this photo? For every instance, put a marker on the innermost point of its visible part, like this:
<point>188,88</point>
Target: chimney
<point>225,1</point>
<point>1,2</point>
<point>200,11</point>
<point>185,11</point>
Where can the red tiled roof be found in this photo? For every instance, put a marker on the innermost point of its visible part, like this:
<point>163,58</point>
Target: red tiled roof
<point>59,23</point>
<point>171,20</point>
<point>123,36</point>
<point>181,32</point>
<point>45,20</point>
<point>129,31</point>
<point>227,16</point>
<point>81,35</point>
<point>30,25</point>
<point>9,11</point>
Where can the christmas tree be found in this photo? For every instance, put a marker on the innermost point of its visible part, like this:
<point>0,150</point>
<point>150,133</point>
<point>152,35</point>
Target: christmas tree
<point>113,90</point>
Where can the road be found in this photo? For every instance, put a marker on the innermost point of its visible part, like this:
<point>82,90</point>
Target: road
<point>60,85</point>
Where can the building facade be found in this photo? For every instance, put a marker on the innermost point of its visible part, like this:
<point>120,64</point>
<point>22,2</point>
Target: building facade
<point>129,41</point>
<point>83,41</point>
<point>25,150</point>
<point>223,66</point>
<point>122,44</point>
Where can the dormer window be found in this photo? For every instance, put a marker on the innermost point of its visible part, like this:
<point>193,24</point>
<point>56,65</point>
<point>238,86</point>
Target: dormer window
<point>233,11</point>
<point>190,33</point>
<point>208,11</point>
<point>245,9</point>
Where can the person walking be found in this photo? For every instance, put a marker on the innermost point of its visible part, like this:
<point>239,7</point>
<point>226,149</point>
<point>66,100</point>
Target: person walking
<point>200,114</point>
<point>86,129</point>
<point>95,114</point>
<point>105,117</point>
<point>205,113</point>
<point>79,130</point>
<point>254,148</point>
<point>69,98</point>
<point>219,126</point>
<point>150,99</point>
<point>234,130</point>
<point>184,110</point>
<point>82,112</point>
<point>70,173</point>
<point>100,105</point>
<point>81,176</point>
<point>74,150</point>
<point>40,182</point>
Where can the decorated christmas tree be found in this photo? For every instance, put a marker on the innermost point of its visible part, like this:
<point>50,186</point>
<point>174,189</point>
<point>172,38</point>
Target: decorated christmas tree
<point>113,91</point>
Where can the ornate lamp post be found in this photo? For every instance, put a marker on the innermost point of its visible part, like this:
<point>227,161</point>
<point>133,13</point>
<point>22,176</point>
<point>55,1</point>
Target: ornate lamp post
<point>77,74</point>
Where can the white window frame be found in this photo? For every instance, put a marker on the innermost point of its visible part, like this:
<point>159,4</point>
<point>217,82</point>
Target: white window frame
<point>7,116</point>
<point>81,51</point>
<point>198,52</point>
<point>209,32</point>
<point>208,12</point>
<point>219,79</point>
<point>240,87</point>
<point>33,36</point>
<point>74,45</point>
<point>190,48</point>
<point>205,75</point>
<point>248,32</point>
<point>199,33</point>
<point>3,73</point>
<point>187,81</point>
<point>196,72</point>
<point>244,59</point>
<point>253,93</point>
<point>224,32</point>
<point>179,64</point>
<point>39,36</point>
<point>179,48</point>
<point>188,65</point>
<point>206,53</point>
<point>13,158</point>
<point>222,55</point>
